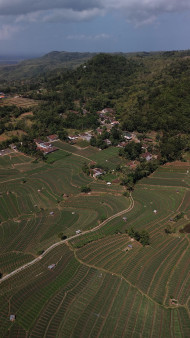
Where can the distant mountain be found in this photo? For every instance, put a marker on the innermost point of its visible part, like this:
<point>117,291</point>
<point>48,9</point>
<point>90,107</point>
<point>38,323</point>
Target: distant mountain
<point>37,66</point>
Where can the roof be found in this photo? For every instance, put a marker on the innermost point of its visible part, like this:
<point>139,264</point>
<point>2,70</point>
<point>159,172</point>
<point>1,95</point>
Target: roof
<point>52,266</point>
<point>52,137</point>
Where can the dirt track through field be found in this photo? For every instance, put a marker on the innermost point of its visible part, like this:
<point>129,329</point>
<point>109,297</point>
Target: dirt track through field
<point>21,268</point>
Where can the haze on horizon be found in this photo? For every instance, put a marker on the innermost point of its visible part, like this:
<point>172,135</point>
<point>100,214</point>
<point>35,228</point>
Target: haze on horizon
<point>40,26</point>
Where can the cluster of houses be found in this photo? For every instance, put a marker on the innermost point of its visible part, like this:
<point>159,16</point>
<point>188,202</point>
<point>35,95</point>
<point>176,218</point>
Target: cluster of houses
<point>46,147</point>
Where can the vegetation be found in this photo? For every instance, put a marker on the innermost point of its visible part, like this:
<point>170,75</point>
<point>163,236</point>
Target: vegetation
<point>116,278</point>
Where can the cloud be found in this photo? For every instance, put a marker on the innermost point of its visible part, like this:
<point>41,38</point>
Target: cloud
<point>146,11</point>
<point>7,31</point>
<point>88,37</point>
<point>135,11</point>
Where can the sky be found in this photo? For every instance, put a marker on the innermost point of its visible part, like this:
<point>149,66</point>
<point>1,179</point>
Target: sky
<point>37,27</point>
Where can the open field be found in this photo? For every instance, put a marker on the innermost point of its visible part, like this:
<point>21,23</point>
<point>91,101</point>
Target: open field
<point>19,102</point>
<point>98,286</point>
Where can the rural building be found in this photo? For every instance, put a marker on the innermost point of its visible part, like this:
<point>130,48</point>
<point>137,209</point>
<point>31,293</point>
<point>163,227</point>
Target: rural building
<point>125,219</point>
<point>147,156</point>
<point>78,232</point>
<point>52,138</point>
<point>107,141</point>
<point>108,183</point>
<point>12,318</point>
<point>86,136</point>
<point>72,137</point>
<point>51,267</point>
<point>97,172</point>
<point>127,136</point>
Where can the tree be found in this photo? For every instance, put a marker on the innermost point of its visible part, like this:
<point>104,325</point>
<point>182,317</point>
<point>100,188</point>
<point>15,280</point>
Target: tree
<point>144,238</point>
<point>85,189</point>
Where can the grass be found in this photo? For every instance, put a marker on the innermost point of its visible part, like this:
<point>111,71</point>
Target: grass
<point>97,289</point>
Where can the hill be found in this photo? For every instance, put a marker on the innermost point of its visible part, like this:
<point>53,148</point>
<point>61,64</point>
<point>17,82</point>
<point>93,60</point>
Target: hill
<point>37,66</point>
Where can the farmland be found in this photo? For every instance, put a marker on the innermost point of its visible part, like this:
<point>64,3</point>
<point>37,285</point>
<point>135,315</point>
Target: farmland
<point>104,283</point>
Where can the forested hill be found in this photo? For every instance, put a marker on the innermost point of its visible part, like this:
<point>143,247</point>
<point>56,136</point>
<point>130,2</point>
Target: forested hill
<point>34,67</point>
<point>148,93</point>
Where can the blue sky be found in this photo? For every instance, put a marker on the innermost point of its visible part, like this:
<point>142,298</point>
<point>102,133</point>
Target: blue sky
<point>40,26</point>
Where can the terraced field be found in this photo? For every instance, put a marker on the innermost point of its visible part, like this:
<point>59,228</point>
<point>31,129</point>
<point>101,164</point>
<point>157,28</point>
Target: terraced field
<point>103,283</point>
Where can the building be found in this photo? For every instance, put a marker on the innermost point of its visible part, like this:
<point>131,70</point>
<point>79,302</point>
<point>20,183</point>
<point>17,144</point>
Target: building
<point>12,318</point>
<point>78,232</point>
<point>52,138</point>
<point>97,172</point>
<point>147,156</point>
<point>127,136</point>
<point>51,267</point>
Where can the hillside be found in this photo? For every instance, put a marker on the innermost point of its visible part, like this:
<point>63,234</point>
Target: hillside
<point>37,66</point>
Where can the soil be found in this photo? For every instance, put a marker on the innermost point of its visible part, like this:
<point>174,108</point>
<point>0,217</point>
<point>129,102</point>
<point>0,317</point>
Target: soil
<point>186,229</point>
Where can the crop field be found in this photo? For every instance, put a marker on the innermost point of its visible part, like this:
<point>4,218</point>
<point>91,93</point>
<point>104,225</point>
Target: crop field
<point>103,283</point>
<point>19,102</point>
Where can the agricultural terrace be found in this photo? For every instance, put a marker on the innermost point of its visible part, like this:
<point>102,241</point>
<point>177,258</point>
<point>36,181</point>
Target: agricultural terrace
<point>18,101</point>
<point>75,299</point>
<point>103,283</point>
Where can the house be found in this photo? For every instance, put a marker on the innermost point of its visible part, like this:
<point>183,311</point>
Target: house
<point>51,267</point>
<point>99,131</point>
<point>12,318</point>
<point>13,146</point>
<point>38,142</point>
<point>122,144</point>
<point>107,141</point>
<point>148,140</point>
<point>147,156</point>
<point>107,110</point>
<point>51,213</point>
<point>124,219</point>
<point>97,172</point>
<point>78,232</point>
<point>52,138</point>
<point>114,123</point>
<point>72,137</point>
<point>127,136</point>
<point>108,183</point>
<point>86,136</point>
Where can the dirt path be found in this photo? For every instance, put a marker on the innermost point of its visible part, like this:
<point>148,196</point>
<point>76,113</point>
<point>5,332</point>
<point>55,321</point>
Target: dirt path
<point>23,267</point>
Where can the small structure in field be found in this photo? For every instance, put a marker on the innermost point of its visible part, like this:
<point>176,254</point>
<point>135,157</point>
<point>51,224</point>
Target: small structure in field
<point>129,247</point>
<point>155,211</point>
<point>51,267</point>
<point>108,183</point>
<point>73,212</point>
<point>51,213</point>
<point>125,219</point>
<point>12,318</point>
<point>78,232</point>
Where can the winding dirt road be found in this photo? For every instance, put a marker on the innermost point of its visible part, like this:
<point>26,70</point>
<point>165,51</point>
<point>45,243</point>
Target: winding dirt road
<point>23,267</point>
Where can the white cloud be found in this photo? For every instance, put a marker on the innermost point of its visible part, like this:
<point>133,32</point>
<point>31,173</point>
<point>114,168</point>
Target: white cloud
<point>7,31</point>
<point>136,11</point>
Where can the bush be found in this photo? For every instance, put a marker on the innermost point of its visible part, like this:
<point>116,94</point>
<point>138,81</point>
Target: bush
<point>85,189</point>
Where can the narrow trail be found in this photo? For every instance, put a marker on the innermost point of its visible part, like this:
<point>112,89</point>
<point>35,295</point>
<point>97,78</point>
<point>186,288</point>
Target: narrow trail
<point>23,267</point>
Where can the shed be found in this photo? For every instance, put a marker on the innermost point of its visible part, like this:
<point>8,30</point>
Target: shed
<point>78,232</point>
<point>12,318</point>
<point>51,267</point>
